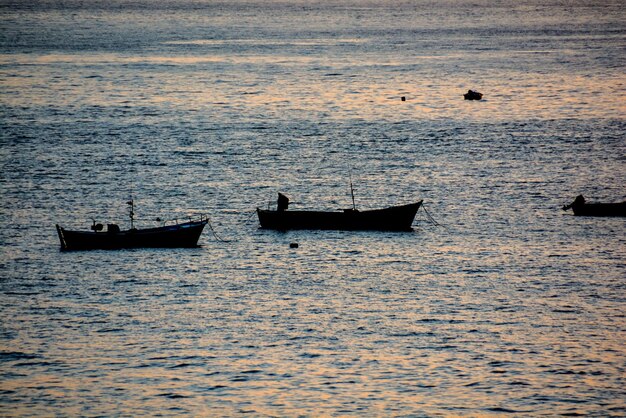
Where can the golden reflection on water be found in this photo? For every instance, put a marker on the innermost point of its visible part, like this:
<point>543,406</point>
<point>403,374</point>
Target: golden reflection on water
<point>118,59</point>
<point>350,91</point>
<point>273,42</point>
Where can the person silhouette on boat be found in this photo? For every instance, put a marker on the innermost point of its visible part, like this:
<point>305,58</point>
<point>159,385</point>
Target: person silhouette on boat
<point>283,202</point>
<point>578,202</point>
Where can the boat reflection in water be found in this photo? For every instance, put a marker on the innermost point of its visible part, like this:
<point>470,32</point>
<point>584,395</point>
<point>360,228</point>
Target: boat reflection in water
<point>395,218</point>
<point>178,235</point>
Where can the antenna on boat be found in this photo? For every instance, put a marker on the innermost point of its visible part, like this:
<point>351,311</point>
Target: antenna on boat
<point>352,190</point>
<point>131,203</point>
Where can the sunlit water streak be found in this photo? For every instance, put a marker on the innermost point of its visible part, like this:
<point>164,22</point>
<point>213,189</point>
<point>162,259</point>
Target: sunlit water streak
<point>509,307</point>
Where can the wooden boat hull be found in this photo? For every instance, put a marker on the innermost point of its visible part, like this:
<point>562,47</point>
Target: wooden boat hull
<point>397,218</point>
<point>600,209</point>
<point>184,235</point>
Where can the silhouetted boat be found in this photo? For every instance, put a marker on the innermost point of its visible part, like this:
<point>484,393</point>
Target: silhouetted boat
<point>473,95</point>
<point>582,208</point>
<point>395,218</point>
<point>179,235</point>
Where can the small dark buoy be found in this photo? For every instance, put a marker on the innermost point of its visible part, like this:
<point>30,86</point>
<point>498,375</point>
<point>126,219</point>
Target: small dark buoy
<point>473,95</point>
<point>403,98</point>
<point>293,245</point>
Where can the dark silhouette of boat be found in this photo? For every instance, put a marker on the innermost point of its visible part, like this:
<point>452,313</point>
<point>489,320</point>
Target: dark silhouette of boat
<point>582,208</point>
<point>179,235</point>
<point>473,95</point>
<point>395,218</point>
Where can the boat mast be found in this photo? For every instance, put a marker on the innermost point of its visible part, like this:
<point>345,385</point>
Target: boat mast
<point>131,202</point>
<point>352,191</point>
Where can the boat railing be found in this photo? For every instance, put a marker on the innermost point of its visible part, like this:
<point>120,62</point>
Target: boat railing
<point>198,217</point>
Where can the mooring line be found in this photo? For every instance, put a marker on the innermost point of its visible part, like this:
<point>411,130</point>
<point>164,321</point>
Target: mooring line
<point>432,220</point>
<point>217,237</point>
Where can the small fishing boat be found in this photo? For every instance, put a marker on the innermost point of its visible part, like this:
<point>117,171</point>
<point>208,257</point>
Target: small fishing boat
<point>177,235</point>
<point>395,218</point>
<point>582,208</point>
<point>473,95</point>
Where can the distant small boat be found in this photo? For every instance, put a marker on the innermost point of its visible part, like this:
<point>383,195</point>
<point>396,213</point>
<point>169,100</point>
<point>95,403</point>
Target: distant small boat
<point>582,208</point>
<point>179,235</point>
<point>473,95</point>
<point>395,218</point>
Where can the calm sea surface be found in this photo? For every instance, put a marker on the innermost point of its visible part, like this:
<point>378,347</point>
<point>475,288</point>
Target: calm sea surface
<point>509,307</point>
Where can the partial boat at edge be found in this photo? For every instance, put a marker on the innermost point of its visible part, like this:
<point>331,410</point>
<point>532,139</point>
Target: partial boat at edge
<point>582,208</point>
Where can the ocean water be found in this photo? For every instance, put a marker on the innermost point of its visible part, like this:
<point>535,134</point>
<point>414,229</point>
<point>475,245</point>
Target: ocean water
<point>505,306</point>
